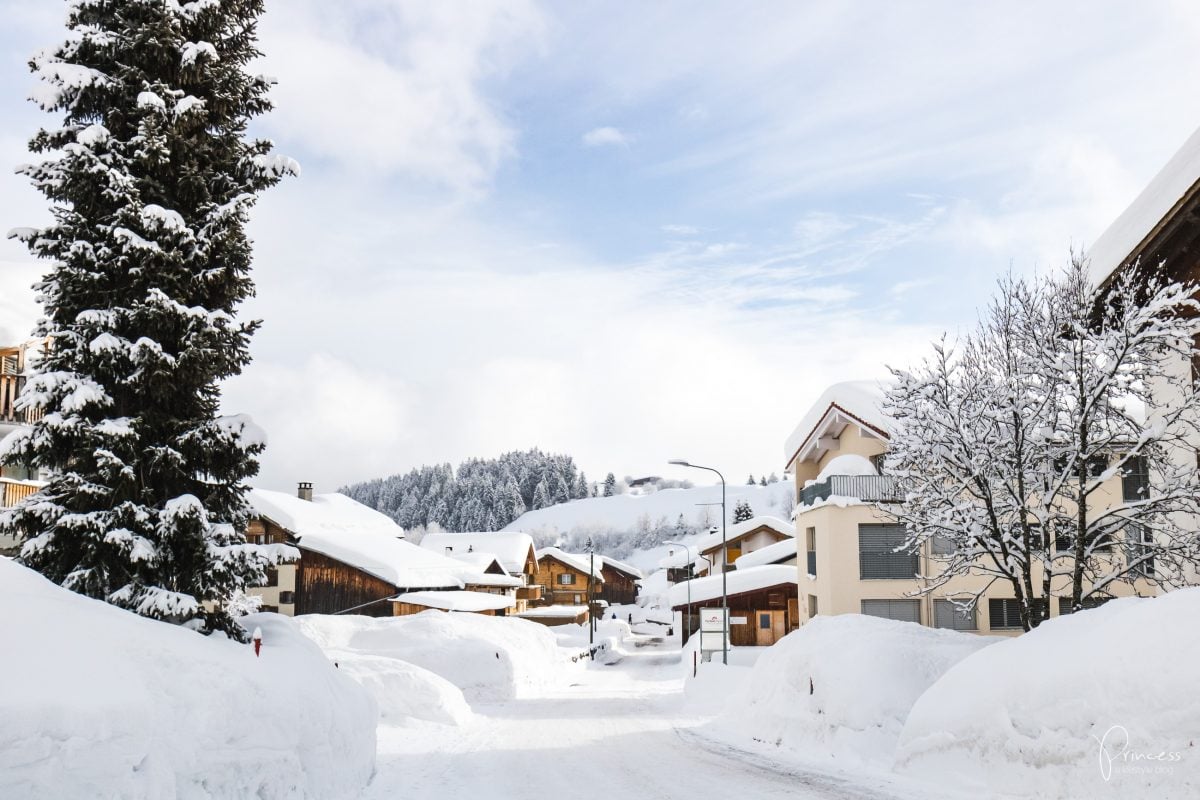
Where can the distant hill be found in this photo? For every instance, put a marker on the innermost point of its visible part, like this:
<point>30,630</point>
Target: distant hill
<point>633,526</point>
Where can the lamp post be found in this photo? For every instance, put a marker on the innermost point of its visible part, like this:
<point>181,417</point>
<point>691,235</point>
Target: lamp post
<point>679,462</point>
<point>687,551</point>
<point>591,572</point>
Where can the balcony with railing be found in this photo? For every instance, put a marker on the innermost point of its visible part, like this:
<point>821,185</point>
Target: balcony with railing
<point>10,389</point>
<point>868,488</point>
<point>13,491</point>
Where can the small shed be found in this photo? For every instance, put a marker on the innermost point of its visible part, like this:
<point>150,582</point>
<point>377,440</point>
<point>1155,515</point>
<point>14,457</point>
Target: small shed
<point>763,603</point>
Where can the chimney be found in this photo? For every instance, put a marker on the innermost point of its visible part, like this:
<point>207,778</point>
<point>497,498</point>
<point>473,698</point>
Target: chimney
<point>304,491</point>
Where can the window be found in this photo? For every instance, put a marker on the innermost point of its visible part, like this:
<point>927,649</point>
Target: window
<point>1064,604</point>
<point>287,597</point>
<point>1135,480</point>
<point>1005,613</point>
<point>812,606</point>
<point>764,621</point>
<point>877,556</point>
<point>903,610</point>
<point>948,615</point>
<point>941,545</point>
<point>1063,543</point>
<point>1137,540</point>
<point>1095,465</point>
<point>810,539</point>
<point>578,599</point>
<point>272,577</point>
<point>566,579</point>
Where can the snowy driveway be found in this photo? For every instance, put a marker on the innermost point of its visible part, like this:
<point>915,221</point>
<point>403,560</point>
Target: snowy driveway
<point>618,731</point>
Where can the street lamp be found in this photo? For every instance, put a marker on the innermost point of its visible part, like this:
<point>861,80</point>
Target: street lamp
<point>591,572</point>
<point>687,551</point>
<point>679,462</point>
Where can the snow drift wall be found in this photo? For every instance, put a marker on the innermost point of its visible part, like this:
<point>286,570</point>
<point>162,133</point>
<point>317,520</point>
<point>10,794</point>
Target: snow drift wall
<point>489,658</point>
<point>97,702</point>
<point>1104,703</point>
<point>842,686</point>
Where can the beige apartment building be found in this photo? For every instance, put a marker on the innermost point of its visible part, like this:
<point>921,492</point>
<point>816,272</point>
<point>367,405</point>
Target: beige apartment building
<point>846,539</point>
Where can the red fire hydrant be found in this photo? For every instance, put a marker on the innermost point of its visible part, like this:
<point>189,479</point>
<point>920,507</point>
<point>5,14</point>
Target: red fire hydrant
<point>257,640</point>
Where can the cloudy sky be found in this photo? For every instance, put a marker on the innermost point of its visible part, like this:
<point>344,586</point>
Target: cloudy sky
<point>630,231</point>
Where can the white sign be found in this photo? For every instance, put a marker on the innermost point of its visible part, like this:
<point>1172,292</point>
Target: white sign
<point>714,630</point>
<point>712,619</point>
<point>737,620</point>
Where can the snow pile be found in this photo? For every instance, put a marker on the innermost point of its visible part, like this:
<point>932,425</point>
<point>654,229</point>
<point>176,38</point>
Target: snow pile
<point>488,658</point>
<point>98,702</point>
<point>1028,715</point>
<point>848,464</point>
<point>842,686</point>
<point>405,692</point>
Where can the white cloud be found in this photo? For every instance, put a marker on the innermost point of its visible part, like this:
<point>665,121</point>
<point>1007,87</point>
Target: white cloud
<point>681,230</point>
<point>600,137</point>
<point>378,86</point>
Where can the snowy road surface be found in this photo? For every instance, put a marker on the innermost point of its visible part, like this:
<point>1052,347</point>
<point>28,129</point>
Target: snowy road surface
<point>617,731</point>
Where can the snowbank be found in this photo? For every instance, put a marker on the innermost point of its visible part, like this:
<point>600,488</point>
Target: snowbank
<point>842,686</point>
<point>488,658</point>
<point>98,702</point>
<point>848,464</point>
<point>405,692</point>
<point>1028,715</point>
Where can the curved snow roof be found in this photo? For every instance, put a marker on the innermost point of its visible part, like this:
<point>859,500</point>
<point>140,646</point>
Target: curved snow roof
<point>510,548</point>
<point>858,401</point>
<point>458,600</point>
<point>740,581</point>
<point>771,554</point>
<point>621,566</point>
<point>330,513</point>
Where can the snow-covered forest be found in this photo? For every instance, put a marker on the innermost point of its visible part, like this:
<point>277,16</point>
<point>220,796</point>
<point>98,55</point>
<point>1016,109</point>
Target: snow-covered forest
<point>481,495</point>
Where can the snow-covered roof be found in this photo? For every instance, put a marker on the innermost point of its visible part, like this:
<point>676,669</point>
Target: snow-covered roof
<point>458,600</point>
<point>329,513</point>
<point>739,582</point>
<point>857,401</point>
<point>740,529</point>
<point>771,554</point>
<point>340,528</point>
<point>577,560</point>
<point>511,548</point>
<point>555,612</point>
<point>1176,181</point>
<point>621,566</point>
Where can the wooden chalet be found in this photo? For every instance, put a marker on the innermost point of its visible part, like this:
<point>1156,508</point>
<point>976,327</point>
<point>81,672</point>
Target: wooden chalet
<point>741,538</point>
<point>515,561</point>
<point>763,603</point>
<point>352,558</point>
<point>620,585</point>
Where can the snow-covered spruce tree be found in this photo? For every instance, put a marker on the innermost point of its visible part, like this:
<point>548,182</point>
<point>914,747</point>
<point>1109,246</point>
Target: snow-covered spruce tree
<point>742,511</point>
<point>150,178</point>
<point>610,485</point>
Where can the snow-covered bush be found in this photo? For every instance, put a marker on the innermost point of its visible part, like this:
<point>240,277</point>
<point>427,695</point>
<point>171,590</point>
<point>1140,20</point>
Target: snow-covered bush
<point>1028,715</point>
<point>842,686</point>
<point>488,658</point>
<point>98,702</point>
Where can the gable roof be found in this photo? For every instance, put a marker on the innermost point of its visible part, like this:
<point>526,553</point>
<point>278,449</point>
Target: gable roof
<point>576,561</point>
<point>342,529</point>
<point>1123,240</point>
<point>621,566</point>
<point>842,403</point>
<point>511,548</point>
<point>740,581</point>
<point>742,529</point>
<point>775,553</point>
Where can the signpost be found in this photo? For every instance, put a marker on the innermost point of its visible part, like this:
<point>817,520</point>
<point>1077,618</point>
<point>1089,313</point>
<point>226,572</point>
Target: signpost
<point>714,631</point>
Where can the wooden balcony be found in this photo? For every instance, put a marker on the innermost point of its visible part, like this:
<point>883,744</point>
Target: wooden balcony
<point>10,389</point>
<point>13,492</point>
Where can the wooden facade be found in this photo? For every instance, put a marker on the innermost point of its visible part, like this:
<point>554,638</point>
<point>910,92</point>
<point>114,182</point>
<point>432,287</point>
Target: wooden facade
<point>619,587</point>
<point>758,618</point>
<point>327,586</point>
<point>562,584</point>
